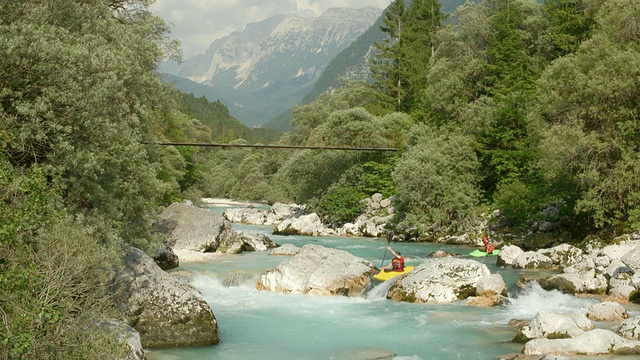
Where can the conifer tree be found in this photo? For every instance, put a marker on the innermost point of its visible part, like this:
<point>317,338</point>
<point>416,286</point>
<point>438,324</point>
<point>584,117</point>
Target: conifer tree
<point>572,22</point>
<point>390,65</point>
<point>423,19</point>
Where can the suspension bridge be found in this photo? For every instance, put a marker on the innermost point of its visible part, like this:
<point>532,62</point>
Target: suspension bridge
<point>316,140</point>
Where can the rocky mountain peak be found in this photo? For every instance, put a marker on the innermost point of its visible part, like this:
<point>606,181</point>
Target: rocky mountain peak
<point>270,65</point>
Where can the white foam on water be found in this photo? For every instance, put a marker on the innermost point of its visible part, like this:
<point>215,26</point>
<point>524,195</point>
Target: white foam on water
<point>379,291</point>
<point>533,299</point>
<point>350,247</point>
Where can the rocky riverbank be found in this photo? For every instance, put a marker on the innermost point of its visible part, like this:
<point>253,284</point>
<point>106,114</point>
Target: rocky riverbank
<point>292,219</point>
<point>196,234</point>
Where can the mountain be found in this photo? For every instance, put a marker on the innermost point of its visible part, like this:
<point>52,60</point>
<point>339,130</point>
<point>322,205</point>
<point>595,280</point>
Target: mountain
<point>270,65</point>
<point>352,63</point>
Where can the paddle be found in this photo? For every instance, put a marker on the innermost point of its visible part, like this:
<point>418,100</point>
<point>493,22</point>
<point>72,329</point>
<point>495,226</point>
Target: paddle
<point>389,237</point>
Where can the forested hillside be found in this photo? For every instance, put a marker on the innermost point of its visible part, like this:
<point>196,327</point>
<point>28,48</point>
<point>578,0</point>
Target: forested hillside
<point>521,113</point>
<point>511,105</point>
<point>351,64</point>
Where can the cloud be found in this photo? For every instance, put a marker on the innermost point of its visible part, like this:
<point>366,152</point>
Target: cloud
<point>197,23</point>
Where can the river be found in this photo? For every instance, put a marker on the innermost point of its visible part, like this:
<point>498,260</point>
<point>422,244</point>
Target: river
<point>264,325</point>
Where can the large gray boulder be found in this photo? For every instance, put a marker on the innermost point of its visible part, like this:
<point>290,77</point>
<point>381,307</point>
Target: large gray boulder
<point>246,241</point>
<point>617,251</point>
<point>491,290</point>
<point>552,325</point>
<point>317,270</point>
<point>594,342</point>
<point>281,211</point>
<point>607,311</point>
<point>165,311</point>
<point>563,255</point>
<point>532,260</point>
<point>191,228</point>
<point>309,225</point>
<point>632,259</point>
<point>285,250</point>
<point>439,280</point>
<point>248,215</point>
<point>128,337</point>
<point>508,255</point>
<point>630,328</point>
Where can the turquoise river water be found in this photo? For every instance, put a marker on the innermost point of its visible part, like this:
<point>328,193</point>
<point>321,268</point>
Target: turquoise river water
<point>264,325</point>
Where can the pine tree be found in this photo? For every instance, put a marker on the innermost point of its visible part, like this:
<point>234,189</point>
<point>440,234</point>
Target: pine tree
<point>423,19</point>
<point>389,65</point>
<point>572,22</point>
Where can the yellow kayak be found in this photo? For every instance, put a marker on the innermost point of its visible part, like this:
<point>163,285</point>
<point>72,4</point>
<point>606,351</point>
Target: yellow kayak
<point>386,275</point>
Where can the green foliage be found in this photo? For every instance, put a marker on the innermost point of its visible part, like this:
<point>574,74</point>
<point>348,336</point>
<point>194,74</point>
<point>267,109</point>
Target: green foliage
<point>51,273</point>
<point>571,21</point>
<point>224,127</point>
<point>587,111</point>
<point>423,19</point>
<point>436,179</point>
<point>75,93</point>
<point>342,202</point>
<point>509,65</point>
<point>78,95</point>
<point>352,95</point>
<point>518,203</point>
<point>389,66</point>
<point>504,148</point>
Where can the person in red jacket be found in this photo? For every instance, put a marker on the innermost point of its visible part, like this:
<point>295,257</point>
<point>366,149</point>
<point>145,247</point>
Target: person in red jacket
<point>488,245</point>
<point>397,263</point>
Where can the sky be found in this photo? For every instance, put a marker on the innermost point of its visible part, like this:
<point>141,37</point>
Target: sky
<point>197,23</point>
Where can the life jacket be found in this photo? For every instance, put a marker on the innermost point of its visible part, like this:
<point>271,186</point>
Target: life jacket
<point>488,245</point>
<point>397,264</point>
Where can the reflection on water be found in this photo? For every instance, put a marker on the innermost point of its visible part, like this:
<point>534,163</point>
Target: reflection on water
<point>263,325</point>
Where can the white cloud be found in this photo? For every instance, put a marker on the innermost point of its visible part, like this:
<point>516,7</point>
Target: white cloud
<point>197,23</point>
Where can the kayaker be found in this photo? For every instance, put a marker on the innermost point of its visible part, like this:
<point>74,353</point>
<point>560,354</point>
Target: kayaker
<point>397,263</point>
<point>488,245</point>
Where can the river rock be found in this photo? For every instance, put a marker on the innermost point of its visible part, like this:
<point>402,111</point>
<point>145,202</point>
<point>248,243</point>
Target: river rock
<point>563,255</point>
<point>248,215</point>
<point>582,277</point>
<point>490,285</point>
<point>532,357</point>
<point>632,259</point>
<point>532,260</point>
<point>366,354</point>
<point>309,225</point>
<point>607,311</point>
<point>281,211</point>
<point>441,253</point>
<point>254,241</point>
<point>486,301</point>
<point>247,241</point>
<point>508,255</point>
<point>317,270</point>
<point>236,278</point>
<point>594,342</point>
<point>621,283</point>
<point>439,280</point>
<point>166,312</point>
<point>630,328</point>
<point>189,227</point>
<point>617,251</point>
<point>285,249</point>
<point>128,337</point>
<point>617,266</point>
<point>552,325</point>
<point>373,226</point>
<point>565,283</point>
<point>164,256</point>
